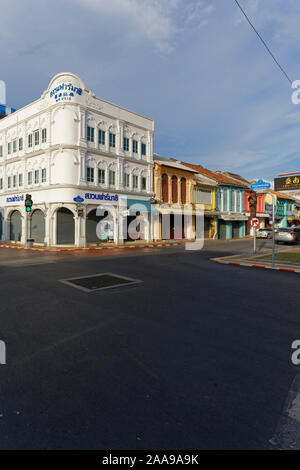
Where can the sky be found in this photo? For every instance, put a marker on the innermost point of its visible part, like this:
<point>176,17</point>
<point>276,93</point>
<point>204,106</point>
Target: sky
<point>194,66</point>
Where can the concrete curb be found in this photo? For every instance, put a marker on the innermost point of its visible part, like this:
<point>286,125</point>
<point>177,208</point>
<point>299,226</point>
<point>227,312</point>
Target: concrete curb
<point>249,264</point>
<point>92,248</point>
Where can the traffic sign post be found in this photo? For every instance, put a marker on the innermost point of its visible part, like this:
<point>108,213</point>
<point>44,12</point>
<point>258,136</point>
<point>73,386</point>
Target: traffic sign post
<point>273,231</point>
<point>261,186</point>
<point>28,207</point>
<point>254,222</point>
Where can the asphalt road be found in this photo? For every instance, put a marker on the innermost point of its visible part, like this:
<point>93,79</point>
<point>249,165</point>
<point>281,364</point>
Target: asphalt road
<point>197,356</point>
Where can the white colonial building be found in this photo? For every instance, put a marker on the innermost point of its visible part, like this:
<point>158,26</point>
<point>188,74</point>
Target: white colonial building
<point>72,152</point>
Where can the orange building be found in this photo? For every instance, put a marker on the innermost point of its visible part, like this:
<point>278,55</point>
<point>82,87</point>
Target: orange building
<point>173,190</point>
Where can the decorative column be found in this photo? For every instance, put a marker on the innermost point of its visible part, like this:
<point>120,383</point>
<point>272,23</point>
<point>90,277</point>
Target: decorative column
<point>139,152</point>
<point>77,230</point>
<point>119,138</point>
<point>6,225</point>
<point>82,128</point>
<point>170,188</point>
<point>82,167</point>
<point>53,227</point>
<point>119,174</point>
<point>107,140</point>
<point>25,225</point>
<point>47,225</point>
<point>179,190</point>
<point>149,149</point>
<point>81,222</point>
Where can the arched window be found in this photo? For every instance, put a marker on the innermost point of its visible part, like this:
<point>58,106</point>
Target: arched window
<point>183,190</point>
<point>174,190</point>
<point>165,188</point>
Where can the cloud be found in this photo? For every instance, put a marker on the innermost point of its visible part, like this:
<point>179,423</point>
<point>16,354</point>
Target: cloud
<point>195,67</point>
<point>158,21</point>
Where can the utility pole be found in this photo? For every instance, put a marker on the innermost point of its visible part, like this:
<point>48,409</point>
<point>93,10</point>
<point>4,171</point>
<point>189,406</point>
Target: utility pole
<point>273,231</point>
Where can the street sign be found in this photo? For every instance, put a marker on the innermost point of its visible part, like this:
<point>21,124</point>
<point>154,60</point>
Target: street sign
<point>260,185</point>
<point>254,222</point>
<point>288,183</point>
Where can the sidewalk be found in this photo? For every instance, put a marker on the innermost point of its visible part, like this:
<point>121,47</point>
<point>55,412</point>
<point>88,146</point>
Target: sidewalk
<point>104,246</point>
<point>253,262</point>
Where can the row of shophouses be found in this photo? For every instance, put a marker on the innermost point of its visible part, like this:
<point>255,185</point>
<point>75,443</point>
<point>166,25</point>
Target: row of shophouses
<point>224,197</point>
<point>73,152</point>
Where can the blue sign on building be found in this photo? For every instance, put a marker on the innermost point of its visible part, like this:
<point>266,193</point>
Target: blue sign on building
<point>78,199</point>
<point>65,92</point>
<point>100,197</point>
<point>15,198</point>
<point>260,185</point>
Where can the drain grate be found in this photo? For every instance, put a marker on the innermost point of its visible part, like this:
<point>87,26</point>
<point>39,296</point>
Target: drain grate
<point>99,282</point>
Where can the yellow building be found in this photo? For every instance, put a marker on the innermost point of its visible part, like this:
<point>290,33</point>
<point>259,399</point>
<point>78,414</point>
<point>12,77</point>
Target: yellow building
<point>173,191</point>
<point>205,197</point>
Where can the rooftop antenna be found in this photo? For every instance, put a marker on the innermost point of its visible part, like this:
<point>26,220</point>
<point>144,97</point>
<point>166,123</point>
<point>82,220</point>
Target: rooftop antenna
<point>2,92</point>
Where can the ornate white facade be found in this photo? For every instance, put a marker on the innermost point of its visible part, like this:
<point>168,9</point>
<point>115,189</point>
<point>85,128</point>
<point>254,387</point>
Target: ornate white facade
<point>71,145</point>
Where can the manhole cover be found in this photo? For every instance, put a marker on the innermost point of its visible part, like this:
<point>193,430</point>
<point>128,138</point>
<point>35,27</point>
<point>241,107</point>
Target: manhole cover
<point>99,282</point>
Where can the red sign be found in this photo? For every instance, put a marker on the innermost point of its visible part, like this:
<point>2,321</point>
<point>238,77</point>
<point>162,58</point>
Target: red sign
<point>254,222</point>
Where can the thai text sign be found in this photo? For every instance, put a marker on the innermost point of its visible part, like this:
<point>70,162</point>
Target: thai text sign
<point>287,183</point>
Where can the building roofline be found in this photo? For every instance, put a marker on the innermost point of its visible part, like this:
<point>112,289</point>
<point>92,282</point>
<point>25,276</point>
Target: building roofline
<point>85,89</point>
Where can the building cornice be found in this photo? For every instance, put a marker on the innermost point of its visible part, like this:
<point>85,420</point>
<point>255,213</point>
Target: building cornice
<point>87,150</point>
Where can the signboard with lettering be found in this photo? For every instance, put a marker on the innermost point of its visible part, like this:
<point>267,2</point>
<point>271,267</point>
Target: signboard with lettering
<point>17,198</point>
<point>268,207</point>
<point>99,197</point>
<point>260,185</point>
<point>287,183</point>
<point>65,92</point>
<point>102,197</point>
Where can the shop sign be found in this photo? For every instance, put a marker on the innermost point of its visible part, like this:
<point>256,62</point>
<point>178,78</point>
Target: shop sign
<point>268,208</point>
<point>65,92</point>
<point>102,196</point>
<point>78,199</point>
<point>15,198</point>
<point>288,183</point>
<point>98,197</point>
<point>260,185</point>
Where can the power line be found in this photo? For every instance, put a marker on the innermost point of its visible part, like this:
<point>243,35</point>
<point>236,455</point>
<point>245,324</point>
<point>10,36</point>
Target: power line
<point>264,43</point>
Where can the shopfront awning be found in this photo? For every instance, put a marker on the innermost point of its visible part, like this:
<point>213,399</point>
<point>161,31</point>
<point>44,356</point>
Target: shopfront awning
<point>232,217</point>
<point>138,205</point>
<point>165,209</point>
